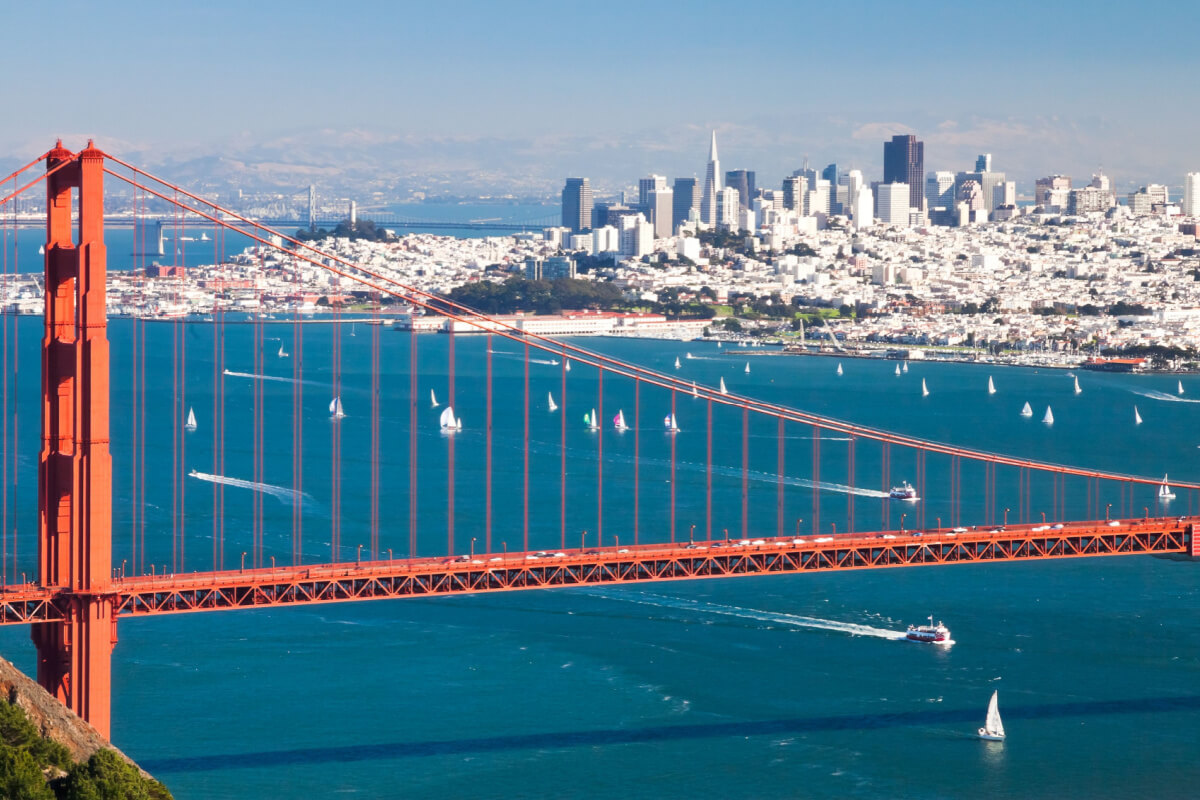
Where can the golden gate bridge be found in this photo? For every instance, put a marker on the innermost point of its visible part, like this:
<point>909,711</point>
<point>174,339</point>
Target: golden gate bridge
<point>78,592</point>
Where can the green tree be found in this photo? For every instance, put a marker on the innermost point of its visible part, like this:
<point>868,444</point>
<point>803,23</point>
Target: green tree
<point>105,776</point>
<point>21,778</point>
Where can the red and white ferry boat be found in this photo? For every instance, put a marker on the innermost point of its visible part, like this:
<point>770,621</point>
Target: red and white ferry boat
<point>929,634</point>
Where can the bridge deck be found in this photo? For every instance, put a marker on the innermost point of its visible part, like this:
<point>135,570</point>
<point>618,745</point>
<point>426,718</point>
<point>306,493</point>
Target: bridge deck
<point>613,564</point>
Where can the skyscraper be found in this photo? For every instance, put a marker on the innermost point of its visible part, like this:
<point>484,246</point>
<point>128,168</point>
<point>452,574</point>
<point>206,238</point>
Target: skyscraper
<point>577,204</point>
<point>1191,194</point>
<point>743,181</point>
<point>983,162</point>
<point>939,195</point>
<point>831,173</point>
<point>893,200</point>
<point>712,185</point>
<point>687,196</point>
<point>794,189</point>
<point>660,203</point>
<point>648,185</point>
<point>904,162</point>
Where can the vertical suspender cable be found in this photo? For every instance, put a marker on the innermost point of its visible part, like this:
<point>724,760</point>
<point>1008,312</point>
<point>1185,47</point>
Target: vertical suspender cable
<point>745,471</point>
<point>487,461</point>
<point>525,462</point>
<point>562,453</point>
<point>637,397</point>
<point>708,473</point>
<point>779,465</point>
<point>600,456</point>
<point>450,448</point>
<point>816,479</point>
<point>412,442</point>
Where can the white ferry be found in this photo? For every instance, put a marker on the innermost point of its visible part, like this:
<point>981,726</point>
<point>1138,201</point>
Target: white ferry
<point>904,491</point>
<point>928,634</point>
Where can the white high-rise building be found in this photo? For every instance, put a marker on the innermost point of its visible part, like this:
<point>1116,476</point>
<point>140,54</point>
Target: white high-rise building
<point>661,205</point>
<point>893,203</point>
<point>729,203</point>
<point>1004,194</point>
<point>637,236</point>
<point>939,196</point>
<point>712,185</point>
<point>862,208</point>
<point>1191,194</point>
<point>854,184</point>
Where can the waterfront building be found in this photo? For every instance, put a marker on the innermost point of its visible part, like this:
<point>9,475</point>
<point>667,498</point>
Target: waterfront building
<point>1191,194</point>
<point>687,196</point>
<point>893,201</point>
<point>712,185</point>
<point>904,162</point>
<point>577,204</point>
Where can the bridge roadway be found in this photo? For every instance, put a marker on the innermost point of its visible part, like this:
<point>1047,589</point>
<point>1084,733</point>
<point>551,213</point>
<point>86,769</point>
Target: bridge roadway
<point>610,564</point>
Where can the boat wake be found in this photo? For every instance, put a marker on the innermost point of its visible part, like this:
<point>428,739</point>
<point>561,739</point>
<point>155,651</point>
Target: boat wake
<point>550,362</point>
<point>1154,394</point>
<point>773,617</point>
<point>281,493</point>
<point>255,377</point>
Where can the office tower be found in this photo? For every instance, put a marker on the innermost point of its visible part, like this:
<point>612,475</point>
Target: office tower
<point>729,206</point>
<point>1191,194</point>
<point>817,201</point>
<point>712,185</point>
<point>831,174</point>
<point>862,208</point>
<point>312,207</point>
<point>854,184</point>
<point>1004,195</point>
<point>894,200</point>
<point>1101,181</point>
<point>687,197</point>
<point>794,189</point>
<point>904,162</point>
<point>983,163</point>
<point>660,203</point>
<point>939,197</point>
<point>648,185</point>
<point>743,181</point>
<point>1052,191</point>
<point>577,204</point>
<point>637,236</point>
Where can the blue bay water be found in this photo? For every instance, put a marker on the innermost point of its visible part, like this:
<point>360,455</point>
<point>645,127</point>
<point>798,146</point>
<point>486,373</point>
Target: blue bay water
<point>750,687</point>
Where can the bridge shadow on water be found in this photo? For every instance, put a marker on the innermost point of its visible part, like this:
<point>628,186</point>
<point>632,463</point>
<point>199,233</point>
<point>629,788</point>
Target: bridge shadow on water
<point>658,733</point>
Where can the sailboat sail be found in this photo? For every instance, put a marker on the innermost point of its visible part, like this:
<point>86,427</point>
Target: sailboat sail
<point>1049,416</point>
<point>191,420</point>
<point>1164,490</point>
<point>677,364</point>
<point>1137,418</point>
<point>897,370</point>
<point>619,421</point>
<point>747,367</point>
<point>335,408</point>
<point>550,402</point>
<point>1077,389</point>
<point>1180,385</point>
<point>1026,410</point>
<point>567,365</point>
<point>991,386</point>
<point>839,369</point>
<point>904,367</point>
<point>993,727</point>
<point>433,403</point>
<point>449,422</point>
<point>723,390</point>
<point>924,388</point>
<point>593,422</point>
<point>669,422</point>
<point>282,353</point>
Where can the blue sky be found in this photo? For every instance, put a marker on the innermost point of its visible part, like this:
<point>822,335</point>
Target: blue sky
<point>603,88</point>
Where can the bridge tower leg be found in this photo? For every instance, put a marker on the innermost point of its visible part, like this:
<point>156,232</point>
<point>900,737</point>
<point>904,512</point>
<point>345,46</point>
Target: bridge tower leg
<point>75,467</point>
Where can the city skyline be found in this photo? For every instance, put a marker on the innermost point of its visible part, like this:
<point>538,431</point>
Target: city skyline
<point>1059,91</point>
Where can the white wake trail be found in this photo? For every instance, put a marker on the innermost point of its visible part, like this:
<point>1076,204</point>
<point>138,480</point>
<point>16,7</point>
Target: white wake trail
<point>281,493</point>
<point>775,617</point>
<point>254,377</point>
<point>1154,394</point>
<point>550,362</point>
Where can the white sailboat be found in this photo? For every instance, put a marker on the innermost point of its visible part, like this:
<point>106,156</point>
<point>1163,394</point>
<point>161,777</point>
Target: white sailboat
<point>924,389</point>
<point>689,356</point>
<point>1077,389</point>
<point>619,421</point>
<point>1027,410</point>
<point>897,370</point>
<point>993,728</point>
<point>904,367</point>
<point>723,389</point>
<point>677,364</point>
<point>695,393</point>
<point>1179,390</point>
<point>670,424</point>
<point>839,369</point>
<point>1164,490</point>
<point>1048,418</point>
<point>550,402</point>
<point>747,370</point>
<point>190,425</point>
<point>718,345</point>
<point>282,353</point>
<point>567,365</point>
<point>335,408</point>
<point>352,333</point>
<point>1137,418</point>
<point>991,386</point>
<point>450,423</point>
<point>433,403</point>
<point>591,421</point>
